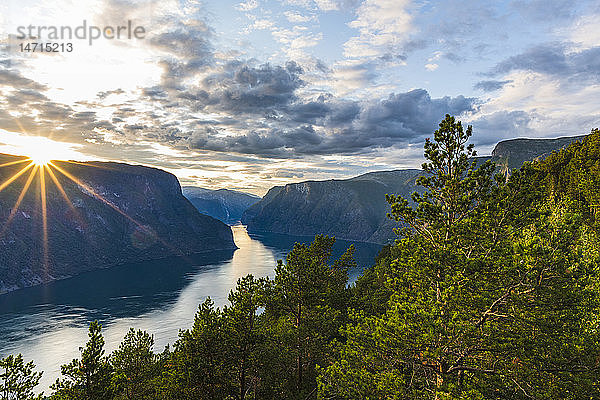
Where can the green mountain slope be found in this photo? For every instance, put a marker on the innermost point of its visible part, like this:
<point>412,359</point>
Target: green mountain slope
<point>355,209</point>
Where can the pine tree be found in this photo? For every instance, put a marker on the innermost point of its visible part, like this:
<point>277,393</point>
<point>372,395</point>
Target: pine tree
<point>486,301</point>
<point>90,377</point>
<point>196,369</point>
<point>18,379</point>
<point>305,309</point>
<point>135,366</point>
<point>243,338</point>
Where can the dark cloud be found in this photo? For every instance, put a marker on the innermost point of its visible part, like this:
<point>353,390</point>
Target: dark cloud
<point>310,112</point>
<point>555,60</point>
<point>84,115</point>
<point>52,111</point>
<point>240,87</point>
<point>490,86</point>
<point>549,59</point>
<point>332,126</point>
<point>25,96</point>
<point>410,114</point>
<point>342,112</point>
<point>15,79</point>
<point>103,95</point>
<point>492,128</point>
<point>155,92</point>
<point>136,127</point>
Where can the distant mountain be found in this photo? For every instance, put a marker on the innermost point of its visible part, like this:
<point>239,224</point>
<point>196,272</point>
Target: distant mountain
<point>257,207</point>
<point>222,204</point>
<point>355,209</point>
<point>511,154</point>
<point>115,214</point>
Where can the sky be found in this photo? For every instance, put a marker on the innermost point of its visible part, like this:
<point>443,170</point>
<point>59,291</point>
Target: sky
<point>248,95</point>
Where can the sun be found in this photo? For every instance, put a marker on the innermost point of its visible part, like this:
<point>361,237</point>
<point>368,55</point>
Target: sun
<point>39,150</point>
<point>40,160</point>
<point>40,155</point>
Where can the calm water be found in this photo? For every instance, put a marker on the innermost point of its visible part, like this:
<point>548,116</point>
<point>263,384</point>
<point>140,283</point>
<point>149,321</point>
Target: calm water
<point>48,323</point>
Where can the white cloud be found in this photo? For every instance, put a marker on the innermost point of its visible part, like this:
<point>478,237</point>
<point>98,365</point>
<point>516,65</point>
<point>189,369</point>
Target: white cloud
<point>327,5</point>
<point>247,6</point>
<point>383,25</point>
<point>296,40</point>
<point>324,5</point>
<point>436,56</point>
<point>295,17</point>
<point>584,32</point>
<point>552,108</point>
<point>431,66</point>
<point>350,76</point>
<point>259,25</point>
<point>300,3</point>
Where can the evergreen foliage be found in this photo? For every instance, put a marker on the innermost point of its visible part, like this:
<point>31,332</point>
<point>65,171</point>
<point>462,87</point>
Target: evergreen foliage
<point>90,377</point>
<point>18,379</point>
<point>491,291</point>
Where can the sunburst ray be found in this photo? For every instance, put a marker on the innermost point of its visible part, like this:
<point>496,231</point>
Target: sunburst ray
<point>64,194</point>
<point>14,177</point>
<point>95,194</point>
<point>14,210</point>
<point>15,162</point>
<point>44,213</point>
<point>99,197</point>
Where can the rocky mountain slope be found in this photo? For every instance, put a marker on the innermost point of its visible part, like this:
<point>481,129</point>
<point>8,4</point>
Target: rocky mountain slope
<point>222,204</point>
<point>355,209</point>
<point>115,214</point>
<point>511,154</point>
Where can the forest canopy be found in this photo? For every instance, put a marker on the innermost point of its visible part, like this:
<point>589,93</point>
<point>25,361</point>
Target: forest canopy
<point>491,291</point>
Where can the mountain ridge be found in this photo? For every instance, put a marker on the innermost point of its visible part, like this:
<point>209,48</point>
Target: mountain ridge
<point>223,204</point>
<point>355,208</point>
<point>115,214</point>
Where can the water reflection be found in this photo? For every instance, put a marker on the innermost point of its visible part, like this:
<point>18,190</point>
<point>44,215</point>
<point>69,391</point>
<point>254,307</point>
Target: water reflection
<point>48,323</point>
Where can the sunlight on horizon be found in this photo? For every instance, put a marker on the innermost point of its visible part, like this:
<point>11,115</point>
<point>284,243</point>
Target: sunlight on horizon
<point>39,149</point>
<point>41,160</point>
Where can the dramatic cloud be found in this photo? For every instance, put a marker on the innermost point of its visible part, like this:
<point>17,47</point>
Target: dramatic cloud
<point>254,93</point>
<point>490,86</point>
<point>558,61</point>
<point>331,126</point>
<point>243,88</point>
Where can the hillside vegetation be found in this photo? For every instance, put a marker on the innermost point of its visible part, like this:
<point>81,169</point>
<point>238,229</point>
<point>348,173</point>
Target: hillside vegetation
<point>491,291</point>
<point>355,209</point>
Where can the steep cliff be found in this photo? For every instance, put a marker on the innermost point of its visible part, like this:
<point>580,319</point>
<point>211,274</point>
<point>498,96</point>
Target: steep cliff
<point>511,154</point>
<point>113,214</point>
<point>353,209</point>
<point>222,204</point>
<point>356,209</point>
